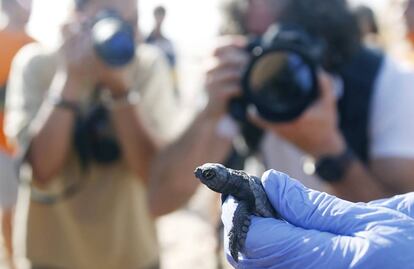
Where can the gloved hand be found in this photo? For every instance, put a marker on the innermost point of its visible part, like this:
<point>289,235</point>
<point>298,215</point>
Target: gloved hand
<point>322,231</point>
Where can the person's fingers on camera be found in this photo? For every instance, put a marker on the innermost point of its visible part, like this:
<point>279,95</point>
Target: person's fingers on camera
<point>229,91</point>
<point>219,77</point>
<point>312,209</point>
<point>73,38</point>
<point>402,203</point>
<point>229,43</point>
<point>219,99</point>
<point>223,78</point>
<point>234,59</point>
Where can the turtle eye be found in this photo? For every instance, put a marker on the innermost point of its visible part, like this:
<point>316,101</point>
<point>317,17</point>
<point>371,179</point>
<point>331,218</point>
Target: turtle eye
<point>209,174</point>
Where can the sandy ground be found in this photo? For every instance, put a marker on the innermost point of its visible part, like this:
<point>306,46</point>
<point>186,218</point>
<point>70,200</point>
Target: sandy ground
<point>188,237</point>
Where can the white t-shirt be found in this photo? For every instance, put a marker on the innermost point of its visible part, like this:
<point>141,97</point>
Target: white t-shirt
<point>391,130</point>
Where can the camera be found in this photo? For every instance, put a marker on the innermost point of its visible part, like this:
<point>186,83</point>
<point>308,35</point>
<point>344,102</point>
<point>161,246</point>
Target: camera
<point>280,80</point>
<point>94,139</point>
<point>113,38</point>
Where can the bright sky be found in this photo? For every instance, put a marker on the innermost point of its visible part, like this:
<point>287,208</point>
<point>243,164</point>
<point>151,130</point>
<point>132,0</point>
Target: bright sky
<point>190,23</point>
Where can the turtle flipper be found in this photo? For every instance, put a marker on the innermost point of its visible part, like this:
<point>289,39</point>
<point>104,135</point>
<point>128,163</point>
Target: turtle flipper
<point>238,234</point>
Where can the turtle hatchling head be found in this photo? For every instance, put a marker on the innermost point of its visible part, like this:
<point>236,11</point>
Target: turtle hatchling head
<point>213,175</point>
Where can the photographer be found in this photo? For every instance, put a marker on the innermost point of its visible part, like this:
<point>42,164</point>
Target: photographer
<point>89,119</point>
<point>13,37</point>
<point>359,139</point>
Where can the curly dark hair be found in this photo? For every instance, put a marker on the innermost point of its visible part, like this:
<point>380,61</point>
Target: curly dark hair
<point>363,12</point>
<point>331,21</point>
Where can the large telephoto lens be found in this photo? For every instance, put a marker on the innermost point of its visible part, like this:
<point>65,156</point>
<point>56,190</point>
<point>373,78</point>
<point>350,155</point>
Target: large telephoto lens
<point>281,84</point>
<point>114,39</point>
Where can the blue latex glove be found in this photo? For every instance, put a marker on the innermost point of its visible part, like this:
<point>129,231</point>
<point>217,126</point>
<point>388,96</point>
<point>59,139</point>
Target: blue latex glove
<point>322,231</point>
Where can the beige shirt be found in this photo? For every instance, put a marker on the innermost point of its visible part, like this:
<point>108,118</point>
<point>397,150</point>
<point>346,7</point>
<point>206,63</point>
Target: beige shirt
<point>106,224</point>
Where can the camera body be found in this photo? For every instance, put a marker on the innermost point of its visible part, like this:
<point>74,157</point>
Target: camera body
<point>280,80</point>
<point>113,38</point>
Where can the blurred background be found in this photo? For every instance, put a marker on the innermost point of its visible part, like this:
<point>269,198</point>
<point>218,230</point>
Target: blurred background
<point>188,236</point>
<point>198,20</point>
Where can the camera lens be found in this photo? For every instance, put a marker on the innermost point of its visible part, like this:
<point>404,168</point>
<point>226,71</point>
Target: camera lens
<point>114,39</point>
<point>281,84</point>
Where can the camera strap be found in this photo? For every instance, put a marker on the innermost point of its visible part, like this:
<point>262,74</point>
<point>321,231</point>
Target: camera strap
<point>94,139</point>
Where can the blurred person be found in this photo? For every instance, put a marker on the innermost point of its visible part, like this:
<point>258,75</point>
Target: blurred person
<point>13,36</point>
<point>158,39</point>
<point>362,146</point>
<point>249,18</point>
<point>383,151</point>
<point>368,26</point>
<point>360,136</point>
<point>89,127</point>
<point>359,141</point>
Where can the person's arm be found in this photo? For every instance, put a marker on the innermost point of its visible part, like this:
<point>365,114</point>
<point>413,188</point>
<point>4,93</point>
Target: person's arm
<point>137,144</point>
<point>52,131</point>
<point>321,231</point>
<point>173,172</point>
<point>172,181</point>
<point>41,131</point>
<point>361,184</point>
<point>142,103</point>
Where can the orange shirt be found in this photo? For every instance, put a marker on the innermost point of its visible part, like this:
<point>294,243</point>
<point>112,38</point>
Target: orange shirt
<point>10,44</point>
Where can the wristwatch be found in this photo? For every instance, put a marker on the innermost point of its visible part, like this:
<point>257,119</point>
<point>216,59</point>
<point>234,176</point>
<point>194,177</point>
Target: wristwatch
<point>333,168</point>
<point>60,102</point>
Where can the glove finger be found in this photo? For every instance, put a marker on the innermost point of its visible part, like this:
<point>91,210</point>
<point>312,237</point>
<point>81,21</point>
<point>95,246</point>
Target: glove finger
<point>402,203</point>
<point>312,209</point>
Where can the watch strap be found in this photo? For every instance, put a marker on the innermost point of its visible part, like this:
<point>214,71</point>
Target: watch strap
<point>332,168</point>
<point>60,102</point>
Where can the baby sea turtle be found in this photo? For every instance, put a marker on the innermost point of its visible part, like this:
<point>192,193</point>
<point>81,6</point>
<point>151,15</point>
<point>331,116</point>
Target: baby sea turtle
<point>248,190</point>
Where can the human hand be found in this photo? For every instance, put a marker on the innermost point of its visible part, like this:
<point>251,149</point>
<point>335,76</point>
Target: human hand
<point>78,57</point>
<point>115,79</point>
<point>224,73</point>
<point>322,231</point>
<point>316,131</point>
<point>81,62</point>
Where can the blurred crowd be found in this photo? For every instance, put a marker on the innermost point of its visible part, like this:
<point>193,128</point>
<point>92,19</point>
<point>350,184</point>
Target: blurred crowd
<point>92,153</point>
